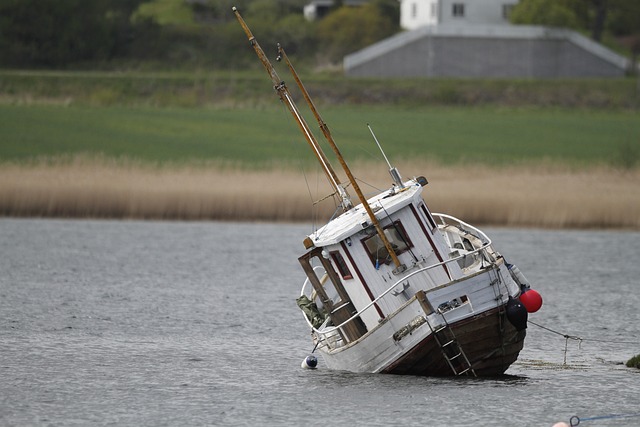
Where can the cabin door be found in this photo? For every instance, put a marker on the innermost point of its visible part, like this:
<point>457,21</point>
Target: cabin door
<point>341,308</point>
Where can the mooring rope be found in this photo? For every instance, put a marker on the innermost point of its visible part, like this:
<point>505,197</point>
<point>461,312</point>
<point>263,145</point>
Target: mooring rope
<point>575,420</point>
<point>577,338</point>
<point>568,337</point>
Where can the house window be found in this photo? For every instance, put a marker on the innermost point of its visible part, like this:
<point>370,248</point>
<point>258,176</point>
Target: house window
<point>458,10</point>
<point>506,11</point>
<point>338,260</point>
<point>396,236</point>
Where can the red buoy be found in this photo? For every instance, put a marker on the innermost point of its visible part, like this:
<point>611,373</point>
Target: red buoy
<point>531,300</point>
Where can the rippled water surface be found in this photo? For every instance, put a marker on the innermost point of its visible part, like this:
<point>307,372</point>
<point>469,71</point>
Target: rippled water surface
<point>167,323</point>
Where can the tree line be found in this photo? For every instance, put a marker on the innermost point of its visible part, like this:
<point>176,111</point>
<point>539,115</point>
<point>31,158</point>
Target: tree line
<point>188,33</point>
<point>175,33</point>
<point>615,18</point>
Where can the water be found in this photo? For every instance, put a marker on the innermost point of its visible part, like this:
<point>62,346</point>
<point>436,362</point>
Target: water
<point>165,323</point>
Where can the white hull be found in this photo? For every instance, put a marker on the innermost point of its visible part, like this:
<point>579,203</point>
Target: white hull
<point>410,327</point>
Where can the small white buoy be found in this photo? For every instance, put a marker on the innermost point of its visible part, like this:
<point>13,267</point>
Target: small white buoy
<point>561,424</point>
<point>310,362</point>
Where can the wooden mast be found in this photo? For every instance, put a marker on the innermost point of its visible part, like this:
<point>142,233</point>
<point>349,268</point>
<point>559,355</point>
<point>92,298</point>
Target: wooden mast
<point>327,134</point>
<point>285,96</point>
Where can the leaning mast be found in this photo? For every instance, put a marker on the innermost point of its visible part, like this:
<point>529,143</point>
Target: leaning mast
<point>285,96</point>
<point>327,134</point>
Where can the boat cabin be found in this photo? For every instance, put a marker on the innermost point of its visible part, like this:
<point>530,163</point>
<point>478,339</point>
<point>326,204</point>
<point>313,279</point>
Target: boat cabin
<point>353,269</point>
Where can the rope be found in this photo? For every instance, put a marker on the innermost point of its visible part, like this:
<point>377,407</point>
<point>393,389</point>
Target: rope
<point>379,190</point>
<point>575,337</point>
<point>324,198</point>
<point>299,157</point>
<point>575,420</point>
<point>568,337</point>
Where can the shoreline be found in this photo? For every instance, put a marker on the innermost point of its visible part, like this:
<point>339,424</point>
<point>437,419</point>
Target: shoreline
<point>540,196</point>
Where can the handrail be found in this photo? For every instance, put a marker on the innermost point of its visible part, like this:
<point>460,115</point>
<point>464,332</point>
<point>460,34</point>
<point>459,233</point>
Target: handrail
<point>413,273</point>
<point>464,224</point>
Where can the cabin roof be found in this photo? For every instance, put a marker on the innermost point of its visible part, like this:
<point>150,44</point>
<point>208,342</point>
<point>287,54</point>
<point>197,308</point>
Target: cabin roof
<point>356,219</point>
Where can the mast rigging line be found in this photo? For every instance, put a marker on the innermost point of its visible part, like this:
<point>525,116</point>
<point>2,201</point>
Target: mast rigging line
<point>285,96</point>
<point>283,93</point>
<point>321,157</point>
<point>300,164</point>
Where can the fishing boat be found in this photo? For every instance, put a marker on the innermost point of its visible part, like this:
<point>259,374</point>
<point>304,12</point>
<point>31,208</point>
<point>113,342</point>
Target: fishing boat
<point>392,287</point>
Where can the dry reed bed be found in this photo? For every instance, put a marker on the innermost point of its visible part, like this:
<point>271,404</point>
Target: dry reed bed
<point>542,196</point>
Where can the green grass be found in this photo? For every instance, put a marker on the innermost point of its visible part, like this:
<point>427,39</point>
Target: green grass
<point>148,134</point>
<point>153,88</point>
<point>500,136</point>
<point>249,87</point>
<point>261,137</point>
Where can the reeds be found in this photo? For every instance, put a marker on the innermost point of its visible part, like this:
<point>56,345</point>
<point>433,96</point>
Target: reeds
<point>526,196</point>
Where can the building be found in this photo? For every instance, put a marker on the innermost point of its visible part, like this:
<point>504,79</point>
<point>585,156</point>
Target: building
<point>418,13</point>
<point>318,9</point>
<point>474,39</point>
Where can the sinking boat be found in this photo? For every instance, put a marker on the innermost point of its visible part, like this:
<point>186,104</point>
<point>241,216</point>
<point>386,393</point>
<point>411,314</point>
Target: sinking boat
<point>392,287</point>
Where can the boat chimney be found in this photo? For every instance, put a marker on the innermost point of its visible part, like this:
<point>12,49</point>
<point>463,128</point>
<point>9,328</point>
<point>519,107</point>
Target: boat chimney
<point>395,175</point>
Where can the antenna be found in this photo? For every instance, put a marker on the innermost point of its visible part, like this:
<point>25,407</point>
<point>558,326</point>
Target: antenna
<point>395,175</point>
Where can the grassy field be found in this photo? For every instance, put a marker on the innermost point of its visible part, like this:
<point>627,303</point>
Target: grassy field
<point>162,146</point>
<point>250,88</point>
<point>264,137</point>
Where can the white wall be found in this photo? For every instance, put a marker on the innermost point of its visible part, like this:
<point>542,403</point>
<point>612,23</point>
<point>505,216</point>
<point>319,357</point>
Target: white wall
<point>417,13</point>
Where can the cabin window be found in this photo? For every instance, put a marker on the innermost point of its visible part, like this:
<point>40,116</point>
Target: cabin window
<point>427,214</point>
<point>414,10</point>
<point>458,10</point>
<point>434,10</point>
<point>397,237</point>
<point>343,269</point>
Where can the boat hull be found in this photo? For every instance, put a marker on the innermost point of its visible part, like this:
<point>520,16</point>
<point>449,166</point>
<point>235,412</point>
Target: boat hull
<point>473,336</point>
<point>490,342</point>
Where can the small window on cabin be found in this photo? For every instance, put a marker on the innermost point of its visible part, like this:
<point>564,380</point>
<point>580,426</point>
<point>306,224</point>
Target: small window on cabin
<point>396,236</point>
<point>414,10</point>
<point>343,269</point>
<point>434,10</point>
<point>458,10</point>
<point>427,214</point>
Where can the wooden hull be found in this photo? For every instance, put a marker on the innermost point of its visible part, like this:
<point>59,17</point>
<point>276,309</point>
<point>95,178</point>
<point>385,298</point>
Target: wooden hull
<point>489,340</point>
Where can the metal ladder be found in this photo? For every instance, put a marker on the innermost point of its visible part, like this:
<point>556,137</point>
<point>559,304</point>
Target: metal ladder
<point>451,349</point>
<point>446,339</point>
